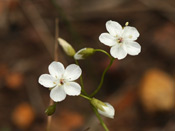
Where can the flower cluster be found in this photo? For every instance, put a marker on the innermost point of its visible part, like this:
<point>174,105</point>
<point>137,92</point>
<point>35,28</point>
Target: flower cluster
<point>61,81</point>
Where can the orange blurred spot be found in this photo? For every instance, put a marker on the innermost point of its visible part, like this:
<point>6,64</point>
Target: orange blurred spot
<point>14,80</point>
<point>71,120</point>
<point>157,91</point>
<point>23,115</point>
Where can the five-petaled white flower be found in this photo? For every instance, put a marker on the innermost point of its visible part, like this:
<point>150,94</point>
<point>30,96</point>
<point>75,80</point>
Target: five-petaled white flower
<point>61,80</point>
<point>121,40</point>
<point>109,110</point>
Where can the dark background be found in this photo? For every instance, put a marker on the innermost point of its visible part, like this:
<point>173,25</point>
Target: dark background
<point>141,88</point>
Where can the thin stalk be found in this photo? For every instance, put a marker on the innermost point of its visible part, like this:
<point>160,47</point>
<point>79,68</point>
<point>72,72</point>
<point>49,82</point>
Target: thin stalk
<point>100,119</point>
<point>49,118</point>
<point>100,50</point>
<point>81,82</point>
<point>102,78</point>
<point>86,97</point>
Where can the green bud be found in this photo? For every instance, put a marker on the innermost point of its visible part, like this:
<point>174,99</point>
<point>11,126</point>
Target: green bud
<point>83,53</point>
<point>50,110</point>
<point>98,104</point>
<point>68,49</point>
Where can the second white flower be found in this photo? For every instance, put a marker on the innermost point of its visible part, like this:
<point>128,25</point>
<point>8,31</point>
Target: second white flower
<point>121,40</point>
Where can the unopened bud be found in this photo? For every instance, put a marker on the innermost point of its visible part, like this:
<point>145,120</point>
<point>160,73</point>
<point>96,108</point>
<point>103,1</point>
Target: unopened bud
<point>68,49</point>
<point>103,108</point>
<point>83,53</point>
<point>50,110</point>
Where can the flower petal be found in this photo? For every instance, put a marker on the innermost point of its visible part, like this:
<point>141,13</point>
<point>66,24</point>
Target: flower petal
<point>56,69</point>
<point>72,88</point>
<point>132,48</point>
<point>114,28</point>
<point>118,51</point>
<point>57,94</point>
<point>72,72</point>
<point>47,80</point>
<point>109,110</point>
<point>130,33</point>
<point>107,39</point>
<point>78,55</point>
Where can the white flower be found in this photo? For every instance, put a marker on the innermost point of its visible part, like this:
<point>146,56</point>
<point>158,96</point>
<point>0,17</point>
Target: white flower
<point>61,80</point>
<point>109,110</point>
<point>121,40</point>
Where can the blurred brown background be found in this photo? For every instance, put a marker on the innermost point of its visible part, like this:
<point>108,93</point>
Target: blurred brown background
<point>141,88</point>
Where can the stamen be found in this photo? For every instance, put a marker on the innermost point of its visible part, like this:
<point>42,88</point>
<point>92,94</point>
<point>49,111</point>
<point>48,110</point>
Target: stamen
<point>127,23</point>
<point>61,81</point>
<point>130,36</point>
<point>120,40</point>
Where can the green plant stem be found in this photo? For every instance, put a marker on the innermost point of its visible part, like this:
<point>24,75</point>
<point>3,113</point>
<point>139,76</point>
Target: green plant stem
<point>96,112</point>
<point>100,50</point>
<point>102,78</point>
<point>100,119</point>
<point>81,82</point>
<point>86,97</point>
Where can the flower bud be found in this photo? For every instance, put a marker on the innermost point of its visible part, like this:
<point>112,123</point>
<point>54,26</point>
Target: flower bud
<point>83,53</point>
<point>103,108</point>
<point>50,110</point>
<point>68,49</point>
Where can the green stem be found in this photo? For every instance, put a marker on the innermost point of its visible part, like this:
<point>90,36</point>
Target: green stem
<point>100,50</point>
<point>86,97</point>
<point>81,81</point>
<point>100,119</point>
<point>102,78</point>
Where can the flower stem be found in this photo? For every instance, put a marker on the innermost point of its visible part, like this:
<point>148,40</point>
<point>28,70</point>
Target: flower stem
<point>86,97</point>
<point>100,50</point>
<point>102,78</point>
<point>81,81</point>
<point>100,119</point>
<point>49,118</point>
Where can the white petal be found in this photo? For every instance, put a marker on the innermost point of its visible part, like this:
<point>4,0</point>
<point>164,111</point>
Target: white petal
<point>118,51</point>
<point>132,48</point>
<point>72,88</point>
<point>79,56</point>
<point>47,80</point>
<point>56,69</point>
<point>130,33</point>
<point>57,94</point>
<point>72,72</point>
<point>114,28</point>
<point>107,39</point>
<point>109,111</point>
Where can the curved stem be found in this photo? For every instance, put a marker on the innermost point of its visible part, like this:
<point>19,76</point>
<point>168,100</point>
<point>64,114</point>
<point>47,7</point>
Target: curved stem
<point>100,50</point>
<point>100,119</point>
<point>86,97</point>
<point>81,81</point>
<point>102,78</point>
